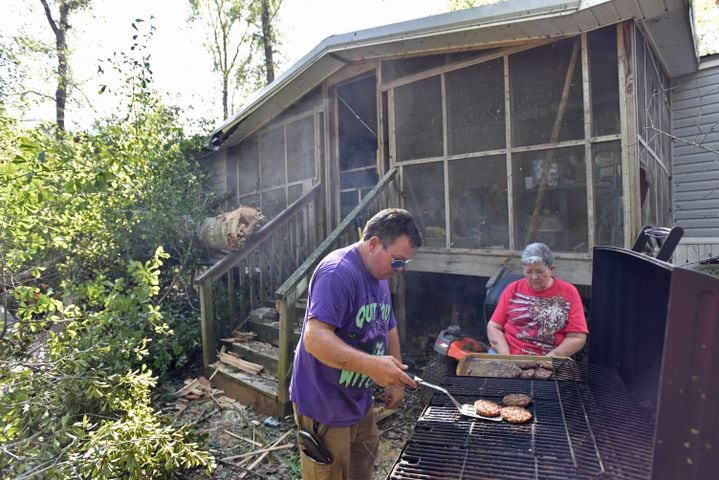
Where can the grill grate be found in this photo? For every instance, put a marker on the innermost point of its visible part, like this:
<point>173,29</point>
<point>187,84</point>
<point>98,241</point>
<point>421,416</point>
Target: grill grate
<point>581,429</point>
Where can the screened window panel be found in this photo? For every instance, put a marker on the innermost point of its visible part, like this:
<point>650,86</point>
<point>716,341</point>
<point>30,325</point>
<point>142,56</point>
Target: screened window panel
<point>273,202</point>
<point>248,170</point>
<point>272,152</point>
<point>475,108</point>
<point>231,179</point>
<point>550,203</point>
<point>608,200</point>
<point>418,119</point>
<point>301,149</point>
<point>359,179</point>
<point>478,199</point>
<point>394,69</point>
<point>250,200</point>
<point>604,82</point>
<point>293,193</point>
<point>424,197</point>
<point>537,79</point>
<point>348,200</point>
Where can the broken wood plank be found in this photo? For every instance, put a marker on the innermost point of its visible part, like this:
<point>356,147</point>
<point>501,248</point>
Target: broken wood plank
<point>240,364</point>
<point>187,388</point>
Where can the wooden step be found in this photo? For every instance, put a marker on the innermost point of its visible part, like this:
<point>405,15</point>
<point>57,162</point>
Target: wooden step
<point>256,391</point>
<point>266,324</point>
<point>260,352</point>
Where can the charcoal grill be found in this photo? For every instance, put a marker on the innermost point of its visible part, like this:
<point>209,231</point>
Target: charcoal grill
<point>642,405</point>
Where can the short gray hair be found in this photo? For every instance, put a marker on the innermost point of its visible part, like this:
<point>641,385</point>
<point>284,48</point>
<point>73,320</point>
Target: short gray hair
<point>537,253</point>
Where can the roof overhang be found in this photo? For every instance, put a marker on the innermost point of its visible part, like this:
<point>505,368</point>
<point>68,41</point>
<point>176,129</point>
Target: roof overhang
<point>666,23</point>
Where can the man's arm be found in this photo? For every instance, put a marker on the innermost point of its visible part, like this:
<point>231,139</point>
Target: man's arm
<point>322,342</point>
<point>495,334</point>
<point>572,343</point>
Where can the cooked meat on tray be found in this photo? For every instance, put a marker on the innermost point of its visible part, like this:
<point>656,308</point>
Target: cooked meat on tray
<point>487,408</point>
<point>542,373</point>
<point>516,414</point>
<point>527,373</point>
<point>516,400</point>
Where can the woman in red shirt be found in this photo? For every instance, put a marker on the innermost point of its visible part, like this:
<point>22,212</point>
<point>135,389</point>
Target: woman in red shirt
<point>539,314</point>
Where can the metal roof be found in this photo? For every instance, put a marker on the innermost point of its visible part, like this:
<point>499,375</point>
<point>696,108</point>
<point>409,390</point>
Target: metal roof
<point>666,25</point>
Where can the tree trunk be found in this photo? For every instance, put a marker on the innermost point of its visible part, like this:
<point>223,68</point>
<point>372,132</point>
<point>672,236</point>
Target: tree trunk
<point>60,29</point>
<point>228,232</point>
<point>267,41</point>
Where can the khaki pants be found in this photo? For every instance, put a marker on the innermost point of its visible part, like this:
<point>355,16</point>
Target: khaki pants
<point>353,448</point>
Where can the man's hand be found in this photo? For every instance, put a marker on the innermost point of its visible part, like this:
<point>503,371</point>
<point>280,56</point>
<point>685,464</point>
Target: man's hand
<point>393,396</point>
<point>386,370</point>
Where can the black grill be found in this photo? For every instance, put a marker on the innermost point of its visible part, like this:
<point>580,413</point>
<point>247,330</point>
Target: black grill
<point>589,428</point>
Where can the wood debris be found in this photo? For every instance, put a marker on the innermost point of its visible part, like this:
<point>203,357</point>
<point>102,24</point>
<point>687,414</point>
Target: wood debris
<point>238,336</point>
<point>240,364</point>
<point>195,389</point>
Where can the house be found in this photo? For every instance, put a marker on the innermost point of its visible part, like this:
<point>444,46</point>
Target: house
<point>695,146</point>
<point>539,120</point>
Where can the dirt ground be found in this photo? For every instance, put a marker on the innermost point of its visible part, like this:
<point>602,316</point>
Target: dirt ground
<point>230,429</point>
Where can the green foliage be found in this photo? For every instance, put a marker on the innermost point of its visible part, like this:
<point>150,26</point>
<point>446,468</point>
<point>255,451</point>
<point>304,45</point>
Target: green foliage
<point>95,254</point>
<point>92,413</point>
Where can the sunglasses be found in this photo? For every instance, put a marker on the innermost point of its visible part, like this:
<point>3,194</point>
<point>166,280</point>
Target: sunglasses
<point>399,263</point>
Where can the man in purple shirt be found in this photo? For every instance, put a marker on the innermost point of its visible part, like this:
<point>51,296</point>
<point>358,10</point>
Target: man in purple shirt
<point>349,340</point>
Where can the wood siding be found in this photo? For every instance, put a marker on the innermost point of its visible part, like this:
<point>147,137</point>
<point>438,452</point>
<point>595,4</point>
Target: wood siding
<point>695,124</point>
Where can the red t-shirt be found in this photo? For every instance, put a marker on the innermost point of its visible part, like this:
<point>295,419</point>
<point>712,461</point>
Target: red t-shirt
<point>536,322</point>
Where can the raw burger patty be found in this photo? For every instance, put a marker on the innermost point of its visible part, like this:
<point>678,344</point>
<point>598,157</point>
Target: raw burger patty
<point>516,400</point>
<point>487,408</point>
<point>516,414</point>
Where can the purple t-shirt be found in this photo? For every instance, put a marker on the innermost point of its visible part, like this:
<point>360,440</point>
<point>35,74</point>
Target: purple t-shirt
<point>344,294</point>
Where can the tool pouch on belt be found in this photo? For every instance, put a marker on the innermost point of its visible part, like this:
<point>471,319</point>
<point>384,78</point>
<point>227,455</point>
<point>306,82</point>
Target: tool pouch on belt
<point>313,447</point>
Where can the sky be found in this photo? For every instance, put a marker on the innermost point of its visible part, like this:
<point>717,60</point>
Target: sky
<point>181,66</point>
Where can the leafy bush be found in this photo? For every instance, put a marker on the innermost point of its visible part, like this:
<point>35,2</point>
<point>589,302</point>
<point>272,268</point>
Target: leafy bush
<point>79,412</point>
<point>96,246</point>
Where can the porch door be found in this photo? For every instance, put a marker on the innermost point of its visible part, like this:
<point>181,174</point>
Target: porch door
<point>356,106</point>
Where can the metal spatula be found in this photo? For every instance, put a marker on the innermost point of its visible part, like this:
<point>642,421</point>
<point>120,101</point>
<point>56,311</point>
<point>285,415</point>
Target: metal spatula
<point>467,409</point>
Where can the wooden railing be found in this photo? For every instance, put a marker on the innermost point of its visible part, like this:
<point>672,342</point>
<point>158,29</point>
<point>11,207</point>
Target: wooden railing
<point>346,233</point>
<point>247,279</point>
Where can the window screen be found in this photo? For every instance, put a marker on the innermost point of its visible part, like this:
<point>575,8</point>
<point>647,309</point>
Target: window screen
<point>272,152</point>
<point>604,83</point>
<point>301,149</point>
<point>608,204</point>
<point>478,199</point>
<point>418,119</point>
<point>475,108</point>
<point>249,161</point>
<point>550,201</point>
<point>424,197</point>
<point>540,112</point>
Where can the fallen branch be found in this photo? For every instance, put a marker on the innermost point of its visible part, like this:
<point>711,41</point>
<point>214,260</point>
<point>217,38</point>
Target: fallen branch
<point>240,437</point>
<point>263,451</point>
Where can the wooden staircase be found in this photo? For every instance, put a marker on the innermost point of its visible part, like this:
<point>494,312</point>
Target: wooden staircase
<point>258,391</point>
<point>274,267</point>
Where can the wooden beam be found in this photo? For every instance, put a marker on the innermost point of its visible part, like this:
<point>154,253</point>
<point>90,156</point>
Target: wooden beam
<point>207,316</point>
